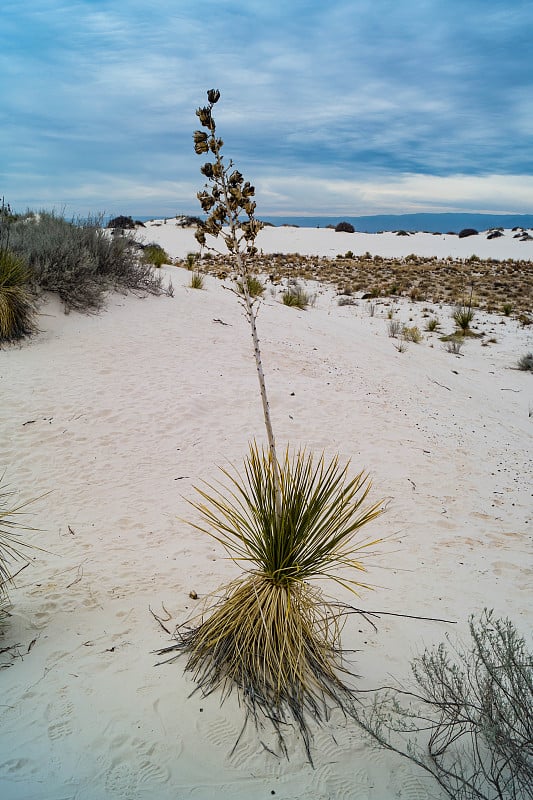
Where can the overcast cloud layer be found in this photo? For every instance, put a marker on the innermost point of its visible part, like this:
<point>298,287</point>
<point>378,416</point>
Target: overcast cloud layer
<point>361,107</point>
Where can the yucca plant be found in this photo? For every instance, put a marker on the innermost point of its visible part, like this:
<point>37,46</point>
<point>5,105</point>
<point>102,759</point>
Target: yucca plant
<point>272,636</point>
<point>17,310</point>
<point>10,543</point>
<point>463,315</point>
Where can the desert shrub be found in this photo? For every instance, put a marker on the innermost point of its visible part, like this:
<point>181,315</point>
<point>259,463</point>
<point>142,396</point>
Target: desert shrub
<point>394,328</point>
<point>188,221</point>
<point>463,316</point>
<point>344,227</point>
<point>346,300</point>
<point>473,708</point>
<point>432,324</point>
<point>454,345</point>
<point>525,362</point>
<point>412,334</point>
<point>507,309</point>
<point>296,297</point>
<point>254,285</point>
<point>17,309</point>
<point>348,254</point>
<point>121,221</point>
<point>155,255</point>
<point>79,260</point>
<point>467,232</point>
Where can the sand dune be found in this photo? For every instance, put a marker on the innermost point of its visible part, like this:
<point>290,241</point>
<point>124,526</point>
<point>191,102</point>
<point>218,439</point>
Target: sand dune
<point>112,419</point>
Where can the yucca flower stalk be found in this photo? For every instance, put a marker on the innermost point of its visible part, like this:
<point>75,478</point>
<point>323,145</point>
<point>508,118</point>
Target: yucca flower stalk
<point>227,198</point>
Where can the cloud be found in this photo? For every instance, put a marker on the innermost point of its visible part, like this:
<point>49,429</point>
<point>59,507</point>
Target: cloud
<point>362,93</point>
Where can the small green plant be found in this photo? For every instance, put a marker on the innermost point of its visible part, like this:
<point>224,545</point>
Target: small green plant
<point>197,280</point>
<point>463,314</point>
<point>432,324</point>
<point>17,309</point>
<point>525,362</point>
<point>155,255</point>
<point>255,287</point>
<point>412,334</point>
<point>507,309</point>
<point>468,719</point>
<point>296,297</point>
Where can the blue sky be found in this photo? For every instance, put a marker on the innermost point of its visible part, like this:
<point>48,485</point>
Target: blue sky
<point>329,107</point>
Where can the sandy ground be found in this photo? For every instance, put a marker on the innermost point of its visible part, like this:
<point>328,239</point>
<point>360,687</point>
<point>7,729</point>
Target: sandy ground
<point>112,419</point>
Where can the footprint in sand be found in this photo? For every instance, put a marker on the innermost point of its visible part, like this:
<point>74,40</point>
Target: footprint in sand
<point>60,716</point>
<point>354,784</point>
<point>132,778</point>
<point>223,734</point>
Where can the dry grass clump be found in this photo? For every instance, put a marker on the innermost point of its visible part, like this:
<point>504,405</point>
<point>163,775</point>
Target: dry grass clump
<point>412,334</point>
<point>525,362</point>
<point>273,636</point>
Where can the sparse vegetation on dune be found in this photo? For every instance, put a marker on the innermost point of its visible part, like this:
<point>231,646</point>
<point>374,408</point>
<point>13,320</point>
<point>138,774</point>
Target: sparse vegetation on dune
<point>498,283</point>
<point>79,260</point>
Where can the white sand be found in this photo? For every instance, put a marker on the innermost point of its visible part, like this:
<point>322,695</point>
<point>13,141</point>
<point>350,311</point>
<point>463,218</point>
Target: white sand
<point>116,416</point>
<point>179,241</point>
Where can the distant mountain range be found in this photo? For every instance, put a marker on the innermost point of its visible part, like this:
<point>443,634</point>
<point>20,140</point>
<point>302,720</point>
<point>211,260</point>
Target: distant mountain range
<point>432,223</point>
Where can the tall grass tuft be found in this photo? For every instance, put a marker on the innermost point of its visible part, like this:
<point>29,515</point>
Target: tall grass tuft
<point>17,309</point>
<point>274,636</point>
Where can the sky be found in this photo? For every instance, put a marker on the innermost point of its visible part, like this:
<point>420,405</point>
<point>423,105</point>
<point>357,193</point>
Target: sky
<point>328,107</point>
